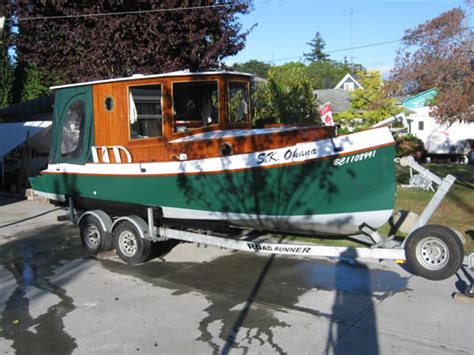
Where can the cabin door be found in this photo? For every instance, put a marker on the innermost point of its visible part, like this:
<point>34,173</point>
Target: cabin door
<point>73,132</point>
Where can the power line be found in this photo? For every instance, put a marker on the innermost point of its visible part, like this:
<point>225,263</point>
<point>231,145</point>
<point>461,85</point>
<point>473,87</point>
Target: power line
<point>343,49</point>
<point>364,46</point>
<point>120,13</point>
<point>357,47</point>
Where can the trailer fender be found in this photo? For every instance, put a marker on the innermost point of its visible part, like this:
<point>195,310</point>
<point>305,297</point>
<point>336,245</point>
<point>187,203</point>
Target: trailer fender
<point>102,217</point>
<point>138,222</point>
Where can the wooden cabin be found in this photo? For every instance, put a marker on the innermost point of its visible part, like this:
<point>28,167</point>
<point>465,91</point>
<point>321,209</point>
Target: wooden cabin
<point>165,117</point>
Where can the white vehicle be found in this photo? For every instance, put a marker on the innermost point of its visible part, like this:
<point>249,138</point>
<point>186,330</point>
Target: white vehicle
<point>440,139</point>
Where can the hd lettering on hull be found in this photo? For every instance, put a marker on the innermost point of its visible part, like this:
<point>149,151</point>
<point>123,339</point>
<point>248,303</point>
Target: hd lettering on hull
<point>289,154</point>
<point>278,249</point>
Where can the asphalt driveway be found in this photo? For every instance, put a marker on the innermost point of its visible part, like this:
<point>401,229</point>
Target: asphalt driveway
<point>201,300</point>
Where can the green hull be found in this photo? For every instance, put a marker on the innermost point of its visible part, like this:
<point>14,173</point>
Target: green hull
<point>310,188</point>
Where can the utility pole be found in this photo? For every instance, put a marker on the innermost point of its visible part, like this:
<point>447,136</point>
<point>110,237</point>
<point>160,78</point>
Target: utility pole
<point>352,34</point>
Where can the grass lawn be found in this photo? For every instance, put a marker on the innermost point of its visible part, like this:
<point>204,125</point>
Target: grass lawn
<point>456,210</point>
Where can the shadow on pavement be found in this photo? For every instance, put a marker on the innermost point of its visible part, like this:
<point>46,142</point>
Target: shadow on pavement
<point>29,218</point>
<point>7,199</point>
<point>342,301</point>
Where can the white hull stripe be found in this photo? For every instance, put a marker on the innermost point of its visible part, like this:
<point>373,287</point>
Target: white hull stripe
<point>49,195</point>
<point>352,218</point>
<point>346,223</point>
<point>298,153</point>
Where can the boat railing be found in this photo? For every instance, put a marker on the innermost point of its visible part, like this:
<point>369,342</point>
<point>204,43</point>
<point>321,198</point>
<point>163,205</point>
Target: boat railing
<point>105,156</point>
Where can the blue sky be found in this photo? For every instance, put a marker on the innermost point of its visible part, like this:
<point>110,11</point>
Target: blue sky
<point>285,26</point>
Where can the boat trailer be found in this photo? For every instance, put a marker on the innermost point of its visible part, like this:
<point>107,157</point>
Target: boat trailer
<point>431,251</point>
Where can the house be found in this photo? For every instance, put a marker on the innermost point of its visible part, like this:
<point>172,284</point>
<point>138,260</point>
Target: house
<point>439,139</point>
<point>340,96</point>
<point>348,83</point>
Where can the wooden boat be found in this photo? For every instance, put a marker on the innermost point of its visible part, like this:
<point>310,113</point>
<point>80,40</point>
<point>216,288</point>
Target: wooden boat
<point>183,143</point>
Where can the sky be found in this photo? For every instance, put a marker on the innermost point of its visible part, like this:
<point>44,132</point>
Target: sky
<point>283,28</point>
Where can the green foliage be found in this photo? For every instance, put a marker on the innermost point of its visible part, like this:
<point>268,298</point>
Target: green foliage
<point>99,47</point>
<point>6,70</point>
<point>371,103</point>
<point>6,75</point>
<point>326,75</point>
<point>30,82</point>
<point>286,98</point>
<point>408,145</point>
<point>253,66</point>
<point>316,53</point>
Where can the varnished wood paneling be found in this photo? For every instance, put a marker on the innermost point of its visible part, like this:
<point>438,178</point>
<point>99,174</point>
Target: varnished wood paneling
<point>112,128</point>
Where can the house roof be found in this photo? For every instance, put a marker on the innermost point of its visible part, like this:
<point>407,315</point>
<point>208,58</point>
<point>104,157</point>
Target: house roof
<point>340,99</point>
<point>350,78</point>
<point>419,100</point>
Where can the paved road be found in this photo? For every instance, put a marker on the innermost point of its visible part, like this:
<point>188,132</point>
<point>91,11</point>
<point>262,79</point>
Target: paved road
<point>202,300</point>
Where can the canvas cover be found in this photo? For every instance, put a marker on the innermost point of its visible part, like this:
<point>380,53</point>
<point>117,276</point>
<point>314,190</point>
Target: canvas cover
<point>65,99</point>
<point>14,134</point>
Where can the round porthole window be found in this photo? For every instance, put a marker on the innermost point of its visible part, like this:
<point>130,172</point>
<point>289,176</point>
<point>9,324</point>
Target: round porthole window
<point>109,103</point>
<point>226,149</point>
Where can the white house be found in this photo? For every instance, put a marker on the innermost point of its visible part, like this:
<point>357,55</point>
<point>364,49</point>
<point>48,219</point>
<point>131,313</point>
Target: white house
<point>348,83</point>
<point>439,139</point>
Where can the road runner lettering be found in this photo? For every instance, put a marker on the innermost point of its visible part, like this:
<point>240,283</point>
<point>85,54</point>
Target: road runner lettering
<point>278,249</point>
<point>354,158</point>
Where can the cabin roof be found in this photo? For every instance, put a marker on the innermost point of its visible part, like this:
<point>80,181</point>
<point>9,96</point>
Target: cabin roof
<point>141,76</point>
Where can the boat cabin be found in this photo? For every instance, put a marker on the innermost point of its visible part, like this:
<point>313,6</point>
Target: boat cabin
<point>156,118</point>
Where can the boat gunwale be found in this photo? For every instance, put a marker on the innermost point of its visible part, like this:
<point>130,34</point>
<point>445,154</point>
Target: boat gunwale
<point>280,165</point>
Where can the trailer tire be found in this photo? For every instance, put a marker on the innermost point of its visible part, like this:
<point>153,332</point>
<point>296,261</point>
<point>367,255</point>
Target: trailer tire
<point>434,252</point>
<point>130,246</point>
<point>93,238</point>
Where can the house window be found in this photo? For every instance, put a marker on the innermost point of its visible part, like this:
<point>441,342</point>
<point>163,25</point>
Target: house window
<point>145,111</point>
<point>348,86</point>
<point>421,125</point>
<point>195,105</point>
<point>238,102</point>
<point>73,130</point>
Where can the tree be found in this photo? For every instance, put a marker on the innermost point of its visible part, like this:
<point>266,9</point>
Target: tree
<point>253,66</point>
<point>438,54</point>
<point>29,82</point>
<point>6,70</point>
<point>371,103</point>
<point>316,53</point>
<point>78,48</point>
<point>287,97</point>
<point>326,75</point>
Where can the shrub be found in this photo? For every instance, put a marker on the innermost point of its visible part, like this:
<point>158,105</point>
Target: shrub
<point>409,145</point>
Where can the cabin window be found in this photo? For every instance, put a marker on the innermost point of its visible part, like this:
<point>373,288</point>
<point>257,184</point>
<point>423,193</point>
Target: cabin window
<point>238,102</point>
<point>73,130</point>
<point>145,111</point>
<point>421,125</point>
<point>195,105</point>
<point>109,103</point>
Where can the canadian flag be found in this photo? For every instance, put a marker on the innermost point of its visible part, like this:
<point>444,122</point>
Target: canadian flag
<point>326,114</point>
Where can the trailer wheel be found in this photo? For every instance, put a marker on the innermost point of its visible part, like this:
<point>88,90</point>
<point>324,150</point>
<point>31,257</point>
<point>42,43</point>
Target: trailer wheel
<point>93,238</point>
<point>434,252</point>
<point>130,246</point>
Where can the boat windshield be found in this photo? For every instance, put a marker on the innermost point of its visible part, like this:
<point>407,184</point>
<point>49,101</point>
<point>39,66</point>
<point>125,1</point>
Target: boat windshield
<point>195,105</point>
